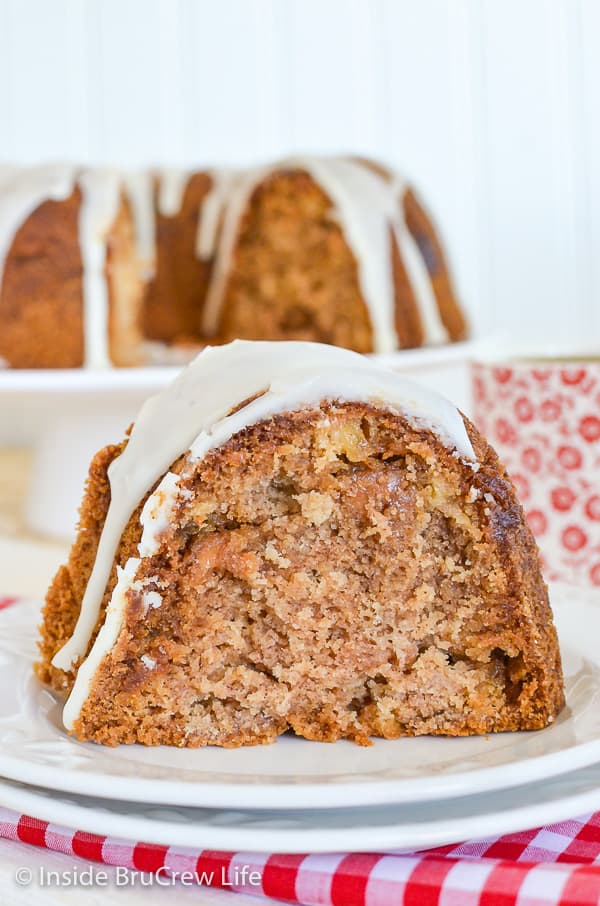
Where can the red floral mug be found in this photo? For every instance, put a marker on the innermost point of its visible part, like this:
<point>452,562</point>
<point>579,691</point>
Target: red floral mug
<point>543,418</point>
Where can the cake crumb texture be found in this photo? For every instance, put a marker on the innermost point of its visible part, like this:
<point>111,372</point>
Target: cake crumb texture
<point>334,572</point>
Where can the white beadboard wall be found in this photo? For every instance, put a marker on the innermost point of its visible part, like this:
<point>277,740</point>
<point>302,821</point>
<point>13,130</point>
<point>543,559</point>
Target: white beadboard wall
<point>490,106</point>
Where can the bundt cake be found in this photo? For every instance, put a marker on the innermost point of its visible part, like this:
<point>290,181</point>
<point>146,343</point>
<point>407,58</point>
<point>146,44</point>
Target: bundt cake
<point>292,538</point>
<point>70,292</point>
<point>102,268</point>
<point>337,250</point>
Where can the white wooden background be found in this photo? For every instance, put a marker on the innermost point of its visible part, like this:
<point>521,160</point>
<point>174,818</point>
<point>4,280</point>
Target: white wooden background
<point>491,106</point>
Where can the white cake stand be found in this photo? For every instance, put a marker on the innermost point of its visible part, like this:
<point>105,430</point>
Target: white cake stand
<point>67,415</point>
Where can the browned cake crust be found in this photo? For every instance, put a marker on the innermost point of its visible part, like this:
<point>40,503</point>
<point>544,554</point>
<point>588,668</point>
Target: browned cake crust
<point>422,229</point>
<point>41,298</point>
<point>421,226</point>
<point>64,597</point>
<point>175,296</point>
<point>408,323</point>
<point>359,581</point>
<point>41,320</point>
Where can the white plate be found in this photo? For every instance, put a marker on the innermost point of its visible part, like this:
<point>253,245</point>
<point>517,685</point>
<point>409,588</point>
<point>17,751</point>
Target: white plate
<point>295,773</point>
<point>402,828</point>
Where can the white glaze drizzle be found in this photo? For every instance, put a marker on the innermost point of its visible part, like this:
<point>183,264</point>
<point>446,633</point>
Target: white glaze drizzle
<point>105,640</point>
<point>156,514</point>
<point>433,327</point>
<point>139,189</point>
<point>192,414</point>
<point>416,269</point>
<point>367,206</point>
<point>24,190</point>
<point>211,211</point>
<point>171,189</point>
<point>236,205</point>
<point>101,196</point>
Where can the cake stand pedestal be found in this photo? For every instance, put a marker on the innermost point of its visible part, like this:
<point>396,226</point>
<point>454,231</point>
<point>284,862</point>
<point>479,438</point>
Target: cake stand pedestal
<point>68,415</point>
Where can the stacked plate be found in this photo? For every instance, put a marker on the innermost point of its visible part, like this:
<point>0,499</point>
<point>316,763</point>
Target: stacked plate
<point>299,796</point>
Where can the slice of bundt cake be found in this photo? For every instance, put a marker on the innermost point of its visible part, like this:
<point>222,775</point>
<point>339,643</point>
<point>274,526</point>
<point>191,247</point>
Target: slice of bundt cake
<point>330,249</point>
<point>292,538</point>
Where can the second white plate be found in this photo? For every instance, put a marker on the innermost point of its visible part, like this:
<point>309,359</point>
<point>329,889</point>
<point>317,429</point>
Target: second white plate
<point>402,828</point>
<point>294,773</point>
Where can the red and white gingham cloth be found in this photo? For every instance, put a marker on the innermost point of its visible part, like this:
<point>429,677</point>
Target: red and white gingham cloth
<point>557,865</point>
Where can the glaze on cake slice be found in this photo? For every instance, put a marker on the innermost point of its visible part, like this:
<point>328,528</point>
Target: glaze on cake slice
<point>292,538</point>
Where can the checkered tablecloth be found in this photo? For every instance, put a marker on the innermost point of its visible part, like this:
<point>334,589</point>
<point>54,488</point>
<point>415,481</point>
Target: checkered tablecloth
<point>558,865</point>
